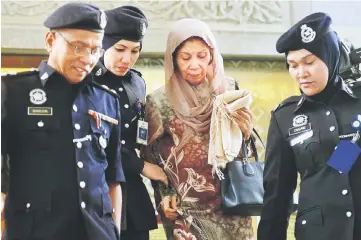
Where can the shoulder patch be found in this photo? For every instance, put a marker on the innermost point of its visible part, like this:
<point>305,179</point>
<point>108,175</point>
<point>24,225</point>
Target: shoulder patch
<point>135,71</point>
<point>106,89</point>
<point>290,100</point>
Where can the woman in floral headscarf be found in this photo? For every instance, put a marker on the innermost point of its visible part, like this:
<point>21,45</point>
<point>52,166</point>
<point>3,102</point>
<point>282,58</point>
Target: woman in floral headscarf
<point>179,117</point>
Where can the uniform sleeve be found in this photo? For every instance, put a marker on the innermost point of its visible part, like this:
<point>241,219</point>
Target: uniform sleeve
<point>131,162</point>
<point>280,180</point>
<point>114,172</point>
<point>5,164</point>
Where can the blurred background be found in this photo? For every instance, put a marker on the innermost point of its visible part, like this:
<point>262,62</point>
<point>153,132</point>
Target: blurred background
<point>246,33</point>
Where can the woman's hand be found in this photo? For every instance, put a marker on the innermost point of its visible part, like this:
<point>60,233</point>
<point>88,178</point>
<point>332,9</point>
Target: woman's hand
<point>243,118</point>
<point>169,207</point>
<point>154,172</point>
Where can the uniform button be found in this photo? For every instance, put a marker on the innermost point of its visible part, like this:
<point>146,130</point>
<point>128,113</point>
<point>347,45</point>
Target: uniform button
<point>77,126</point>
<point>105,131</point>
<point>328,113</point>
<point>28,205</point>
<point>351,85</point>
<point>41,124</point>
<point>349,214</point>
<point>82,184</point>
<point>78,144</point>
<point>126,106</point>
<point>344,192</point>
<point>340,172</point>
<point>304,222</point>
<point>120,89</point>
<point>123,142</point>
<point>80,164</point>
<point>75,108</point>
<point>126,125</point>
<point>332,128</point>
<point>83,205</point>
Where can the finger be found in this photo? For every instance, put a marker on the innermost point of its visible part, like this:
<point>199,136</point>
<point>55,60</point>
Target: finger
<point>173,201</point>
<point>245,114</point>
<point>172,216</point>
<point>165,204</point>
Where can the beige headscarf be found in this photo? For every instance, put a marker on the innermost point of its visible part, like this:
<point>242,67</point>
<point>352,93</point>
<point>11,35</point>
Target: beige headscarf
<point>182,96</point>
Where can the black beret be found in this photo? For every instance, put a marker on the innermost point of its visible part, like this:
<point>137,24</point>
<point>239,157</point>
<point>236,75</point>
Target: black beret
<point>305,33</point>
<point>78,16</point>
<point>126,22</point>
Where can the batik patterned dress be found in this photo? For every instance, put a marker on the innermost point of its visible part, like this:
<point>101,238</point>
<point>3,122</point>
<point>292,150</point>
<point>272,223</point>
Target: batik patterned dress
<point>183,154</point>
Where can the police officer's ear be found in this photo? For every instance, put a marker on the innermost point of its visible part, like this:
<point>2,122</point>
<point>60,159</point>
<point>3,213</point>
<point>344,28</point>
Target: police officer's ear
<point>50,41</point>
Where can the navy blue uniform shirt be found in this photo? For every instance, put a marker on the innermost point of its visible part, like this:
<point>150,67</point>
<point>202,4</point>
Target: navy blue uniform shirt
<point>61,159</point>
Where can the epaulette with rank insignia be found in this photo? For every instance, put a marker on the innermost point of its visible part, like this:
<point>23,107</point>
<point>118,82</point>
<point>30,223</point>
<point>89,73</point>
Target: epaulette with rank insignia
<point>107,89</point>
<point>292,99</point>
<point>138,73</point>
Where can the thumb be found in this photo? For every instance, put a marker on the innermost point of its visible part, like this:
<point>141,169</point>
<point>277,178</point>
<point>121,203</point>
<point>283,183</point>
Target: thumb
<point>174,202</point>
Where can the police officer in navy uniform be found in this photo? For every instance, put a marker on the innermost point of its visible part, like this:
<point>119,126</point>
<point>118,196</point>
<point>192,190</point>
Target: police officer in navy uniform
<point>123,42</point>
<point>316,135</point>
<point>60,134</point>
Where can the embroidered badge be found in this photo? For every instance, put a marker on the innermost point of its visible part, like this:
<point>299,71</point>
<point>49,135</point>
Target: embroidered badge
<point>300,120</point>
<point>99,72</point>
<point>143,28</point>
<point>103,19</point>
<point>307,34</point>
<point>37,96</point>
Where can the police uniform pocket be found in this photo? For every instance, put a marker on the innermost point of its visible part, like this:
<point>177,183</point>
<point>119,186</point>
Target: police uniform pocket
<point>307,153</point>
<point>307,222</point>
<point>100,136</point>
<point>107,205</point>
<point>20,215</point>
<point>37,130</point>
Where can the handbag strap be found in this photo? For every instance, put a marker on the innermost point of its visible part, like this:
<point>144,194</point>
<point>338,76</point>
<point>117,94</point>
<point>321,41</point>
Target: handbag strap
<point>253,147</point>
<point>259,137</point>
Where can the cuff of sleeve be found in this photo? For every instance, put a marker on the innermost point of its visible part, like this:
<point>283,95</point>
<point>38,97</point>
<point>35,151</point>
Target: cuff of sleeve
<point>115,175</point>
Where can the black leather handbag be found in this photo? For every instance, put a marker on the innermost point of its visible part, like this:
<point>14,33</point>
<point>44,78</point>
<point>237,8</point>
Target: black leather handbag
<point>242,189</point>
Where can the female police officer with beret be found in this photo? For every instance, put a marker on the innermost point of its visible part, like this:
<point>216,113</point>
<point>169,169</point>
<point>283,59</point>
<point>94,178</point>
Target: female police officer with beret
<point>316,135</point>
<point>123,42</point>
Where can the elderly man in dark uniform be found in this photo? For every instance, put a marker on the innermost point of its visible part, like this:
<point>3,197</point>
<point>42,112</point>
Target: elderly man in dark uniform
<point>316,135</point>
<point>60,133</point>
<point>122,41</point>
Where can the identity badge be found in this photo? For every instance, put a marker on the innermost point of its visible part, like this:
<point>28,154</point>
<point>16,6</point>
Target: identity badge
<point>142,132</point>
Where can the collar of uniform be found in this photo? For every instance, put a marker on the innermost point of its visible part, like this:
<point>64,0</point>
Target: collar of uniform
<point>88,82</point>
<point>99,69</point>
<point>45,71</point>
<point>300,103</point>
<point>346,89</point>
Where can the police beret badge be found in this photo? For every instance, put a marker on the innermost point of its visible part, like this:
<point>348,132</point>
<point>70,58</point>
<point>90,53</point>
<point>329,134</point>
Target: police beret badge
<point>103,19</point>
<point>307,34</point>
<point>143,28</point>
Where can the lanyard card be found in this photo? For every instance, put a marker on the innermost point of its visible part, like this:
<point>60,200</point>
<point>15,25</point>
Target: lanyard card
<point>344,156</point>
<point>142,132</point>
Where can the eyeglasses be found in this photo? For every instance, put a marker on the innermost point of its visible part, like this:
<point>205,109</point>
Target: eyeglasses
<point>84,51</point>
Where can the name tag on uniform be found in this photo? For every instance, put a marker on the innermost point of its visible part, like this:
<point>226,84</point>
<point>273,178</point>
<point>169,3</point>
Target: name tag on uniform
<point>142,132</point>
<point>344,156</point>
<point>40,111</point>
<point>299,129</point>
